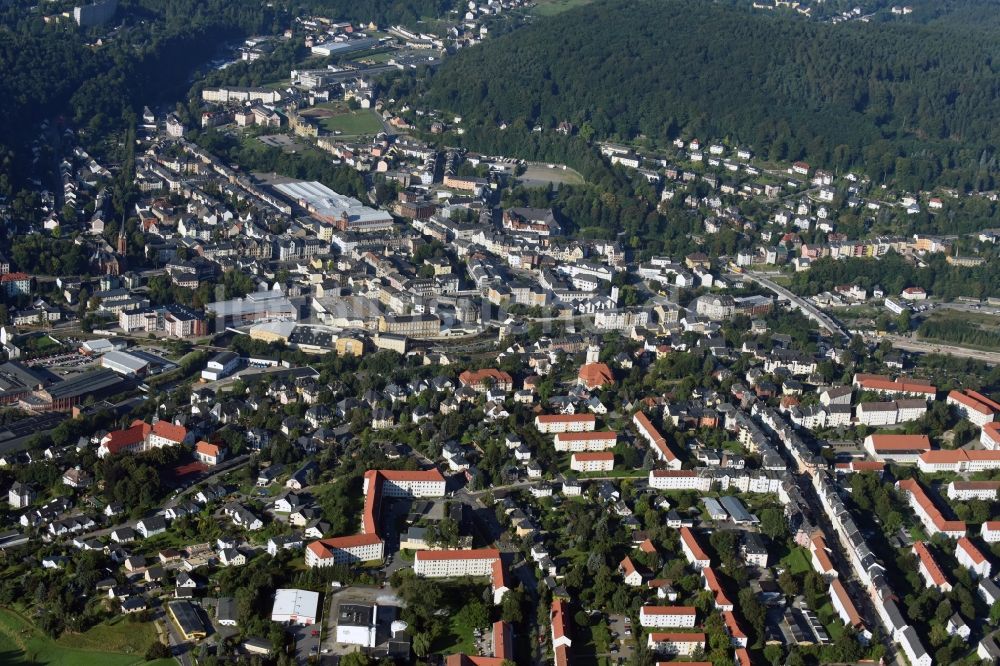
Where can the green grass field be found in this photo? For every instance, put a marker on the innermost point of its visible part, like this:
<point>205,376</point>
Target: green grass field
<point>458,639</point>
<point>118,636</point>
<point>831,622</point>
<point>797,561</point>
<point>118,644</point>
<point>352,123</point>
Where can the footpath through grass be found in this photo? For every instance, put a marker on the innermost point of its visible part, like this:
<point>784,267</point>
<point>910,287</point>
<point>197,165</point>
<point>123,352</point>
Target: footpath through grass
<point>118,644</point>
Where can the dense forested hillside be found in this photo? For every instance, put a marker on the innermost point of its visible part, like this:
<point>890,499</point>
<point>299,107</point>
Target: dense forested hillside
<point>53,70</point>
<point>49,70</point>
<point>906,100</point>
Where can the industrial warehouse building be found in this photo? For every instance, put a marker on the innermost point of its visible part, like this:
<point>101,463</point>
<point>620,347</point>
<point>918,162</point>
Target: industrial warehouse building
<point>292,606</point>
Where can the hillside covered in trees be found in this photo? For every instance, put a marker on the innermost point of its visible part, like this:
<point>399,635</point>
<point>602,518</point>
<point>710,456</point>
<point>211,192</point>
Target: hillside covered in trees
<point>55,70</point>
<point>915,102</point>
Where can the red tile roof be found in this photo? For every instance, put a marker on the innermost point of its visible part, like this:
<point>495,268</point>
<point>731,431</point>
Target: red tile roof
<point>970,549</point>
<point>324,547</point>
<point>649,431</point>
<point>713,584</point>
<point>478,377</point>
<point>591,456</point>
<point>207,449</point>
<point>560,628</point>
<point>930,564</point>
<point>168,430</point>
<point>901,442</point>
<point>819,550</point>
<point>976,485</point>
<point>119,440</point>
<point>501,580</point>
<point>586,436</point>
<point>503,641</point>
<point>902,385</point>
<point>837,588</point>
<point>928,506</point>
<point>945,457</point>
<point>733,625</point>
<point>986,400</point>
<point>410,475</point>
<point>687,536</point>
<point>472,554</point>
<point>677,636</point>
<point>669,610</point>
<point>595,375</point>
<point>566,418</point>
<point>992,431</point>
<point>975,401</point>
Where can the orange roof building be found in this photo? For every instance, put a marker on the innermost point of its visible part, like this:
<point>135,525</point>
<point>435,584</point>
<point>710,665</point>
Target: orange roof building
<point>668,616</point>
<point>710,581</point>
<point>482,380</point>
<point>656,441</point>
<point>974,406</point>
<point>887,386</point>
<point>821,561</point>
<point>463,563</point>
<point>928,512</point>
<point>842,603</point>
<point>958,460</point>
<point>585,441</point>
<point>970,557</point>
<point>676,643</point>
<point>990,436</point>
<point>548,424</point>
<point>595,375</point>
<point>368,545</point>
<point>929,569</point>
<point>141,437</point>
<point>561,639</point>
<point>896,448</point>
<point>693,551</point>
<point>736,633</point>
<point>208,453</point>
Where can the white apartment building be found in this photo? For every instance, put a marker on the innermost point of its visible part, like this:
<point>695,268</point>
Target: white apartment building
<point>973,406</point>
<point>973,490</point>
<point>668,479</point>
<point>970,557</point>
<point>592,462</point>
<point>668,616</point>
<point>928,513</point>
<point>990,436</point>
<point>556,423</point>
<point>958,460</point>
<point>990,531</point>
<point>345,550</point>
<point>876,414</point>
<point>455,563</point>
<point>673,643</point>
<point>585,441</point>
<point>657,442</point>
<point>693,551</point>
<point>408,483</point>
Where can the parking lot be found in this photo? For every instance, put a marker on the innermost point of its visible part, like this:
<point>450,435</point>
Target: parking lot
<point>69,361</point>
<point>622,637</point>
